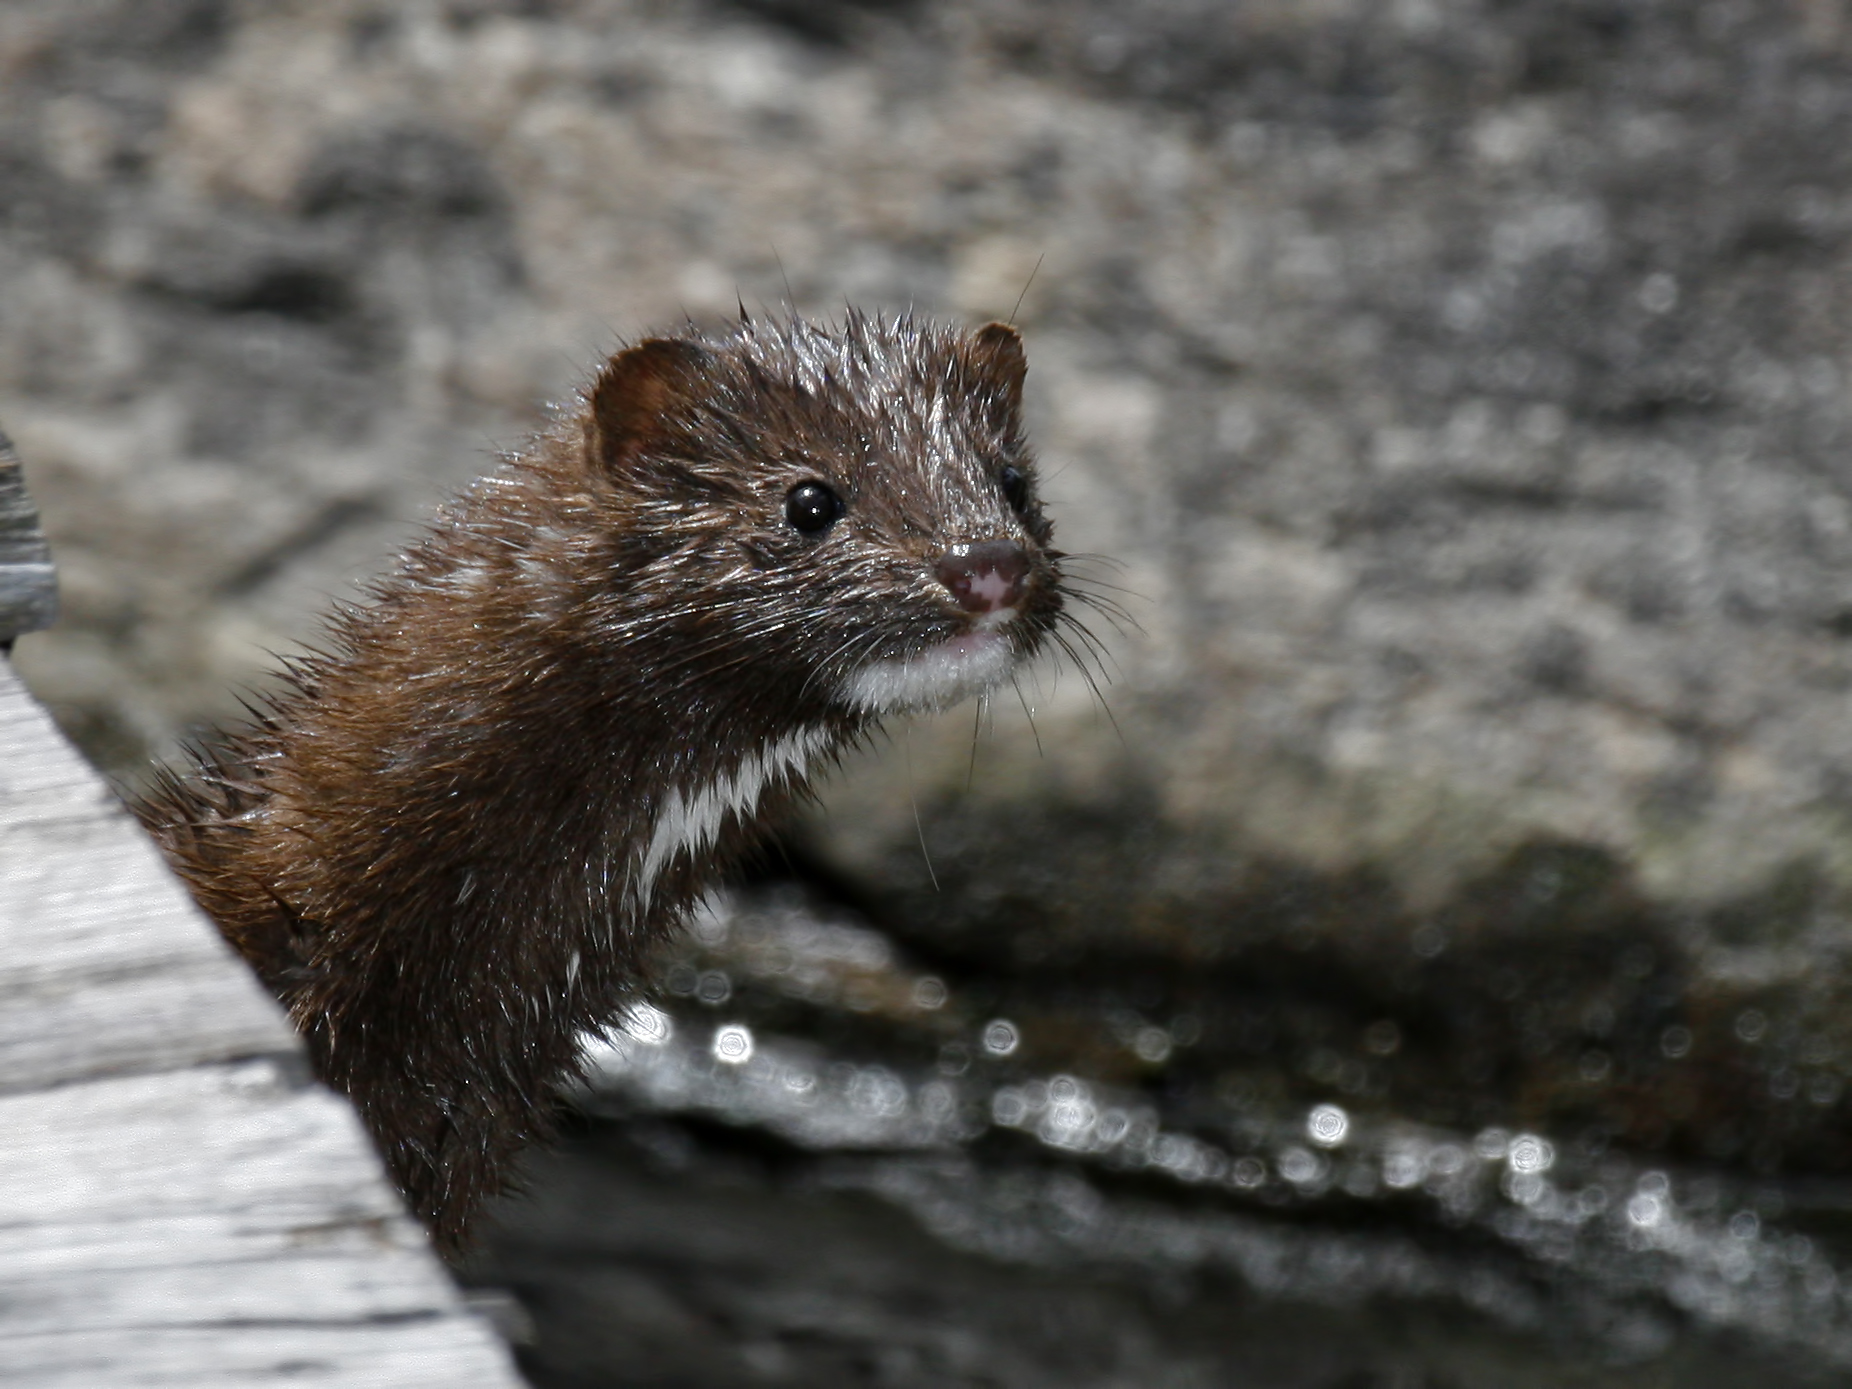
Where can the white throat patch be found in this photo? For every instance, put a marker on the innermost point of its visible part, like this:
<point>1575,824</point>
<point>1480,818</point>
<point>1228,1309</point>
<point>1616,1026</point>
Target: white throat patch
<point>935,679</point>
<point>691,821</point>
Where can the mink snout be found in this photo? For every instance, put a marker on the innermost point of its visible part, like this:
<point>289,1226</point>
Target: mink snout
<point>986,576</point>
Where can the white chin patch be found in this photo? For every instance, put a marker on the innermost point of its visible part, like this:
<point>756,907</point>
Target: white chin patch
<point>973,664</point>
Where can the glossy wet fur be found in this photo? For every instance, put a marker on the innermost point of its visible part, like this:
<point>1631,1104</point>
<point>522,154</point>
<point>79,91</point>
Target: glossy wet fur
<point>618,654</point>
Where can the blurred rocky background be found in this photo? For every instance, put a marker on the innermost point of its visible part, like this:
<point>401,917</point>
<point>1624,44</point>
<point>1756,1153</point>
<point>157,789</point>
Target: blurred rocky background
<point>1426,965</point>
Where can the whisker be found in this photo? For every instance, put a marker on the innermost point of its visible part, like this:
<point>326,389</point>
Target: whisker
<point>836,658</point>
<point>1090,557</point>
<point>1016,308</point>
<point>1098,647</point>
<point>1077,660</point>
<point>1082,582</point>
<point>1093,644</point>
<point>914,800</point>
<point>1092,684</point>
<point>1075,584</point>
<point>1122,622</point>
<point>977,725</point>
<point>842,656</point>
<point>1028,714</point>
<point>1118,624</point>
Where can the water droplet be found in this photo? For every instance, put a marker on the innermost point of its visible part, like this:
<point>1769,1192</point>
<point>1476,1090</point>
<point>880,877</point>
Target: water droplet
<point>648,1025</point>
<point>714,987</point>
<point>1645,1210</point>
<point>1403,1169</point>
<point>1525,1188</point>
<point>1249,1172</point>
<point>1299,1167</point>
<point>1448,1159</point>
<point>733,1044</point>
<point>1751,1024</point>
<point>1675,1042</point>
<point>938,1100</point>
<point>1326,1125</point>
<point>1529,1153</point>
<point>1174,1151</point>
<point>1491,1144</point>
<point>1008,1107</point>
<point>1428,941</point>
<point>1745,1225</point>
<point>1000,1037</point>
<point>878,1091</point>
<point>1070,1115</point>
<point>929,993</point>
<point>1152,1044</point>
<point>1382,1038</point>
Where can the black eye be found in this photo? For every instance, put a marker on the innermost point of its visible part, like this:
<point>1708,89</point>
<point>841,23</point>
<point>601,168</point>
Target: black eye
<point>812,507</point>
<point>1015,487</point>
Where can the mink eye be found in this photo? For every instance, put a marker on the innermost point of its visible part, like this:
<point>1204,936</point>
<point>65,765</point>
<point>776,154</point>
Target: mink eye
<point>812,508</point>
<point>1015,487</point>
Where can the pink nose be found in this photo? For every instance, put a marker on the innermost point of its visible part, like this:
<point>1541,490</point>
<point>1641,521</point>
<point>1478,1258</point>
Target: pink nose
<point>985,575</point>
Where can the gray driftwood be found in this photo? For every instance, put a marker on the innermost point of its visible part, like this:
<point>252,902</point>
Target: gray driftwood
<point>28,589</point>
<point>179,1203</point>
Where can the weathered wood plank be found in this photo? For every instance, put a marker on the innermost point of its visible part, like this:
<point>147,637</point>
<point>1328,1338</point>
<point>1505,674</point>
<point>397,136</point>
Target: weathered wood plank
<point>179,1203</point>
<point>105,965</point>
<point>389,1355</point>
<point>28,587</point>
<point>272,1211</point>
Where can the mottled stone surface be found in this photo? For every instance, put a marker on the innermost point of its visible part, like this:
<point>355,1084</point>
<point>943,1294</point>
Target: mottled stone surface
<point>1458,385</point>
<point>1457,388</point>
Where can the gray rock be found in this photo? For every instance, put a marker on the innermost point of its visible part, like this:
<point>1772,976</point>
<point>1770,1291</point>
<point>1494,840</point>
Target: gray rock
<point>1458,387</point>
<point>1453,392</point>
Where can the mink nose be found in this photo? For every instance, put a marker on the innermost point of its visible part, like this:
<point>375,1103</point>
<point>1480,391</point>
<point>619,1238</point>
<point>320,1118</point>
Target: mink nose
<point>985,575</point>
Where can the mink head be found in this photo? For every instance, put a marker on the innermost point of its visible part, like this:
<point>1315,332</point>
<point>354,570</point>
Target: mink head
<point>829,519</point>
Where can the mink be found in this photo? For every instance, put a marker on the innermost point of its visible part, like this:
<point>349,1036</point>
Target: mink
<point>451,841</point>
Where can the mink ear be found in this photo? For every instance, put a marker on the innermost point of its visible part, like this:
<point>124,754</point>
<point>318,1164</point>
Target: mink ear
<point>997,350</point>
<point>638,393</point>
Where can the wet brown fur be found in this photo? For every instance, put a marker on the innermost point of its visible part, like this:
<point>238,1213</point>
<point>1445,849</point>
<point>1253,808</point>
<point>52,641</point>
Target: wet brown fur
<point>427,843</point>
